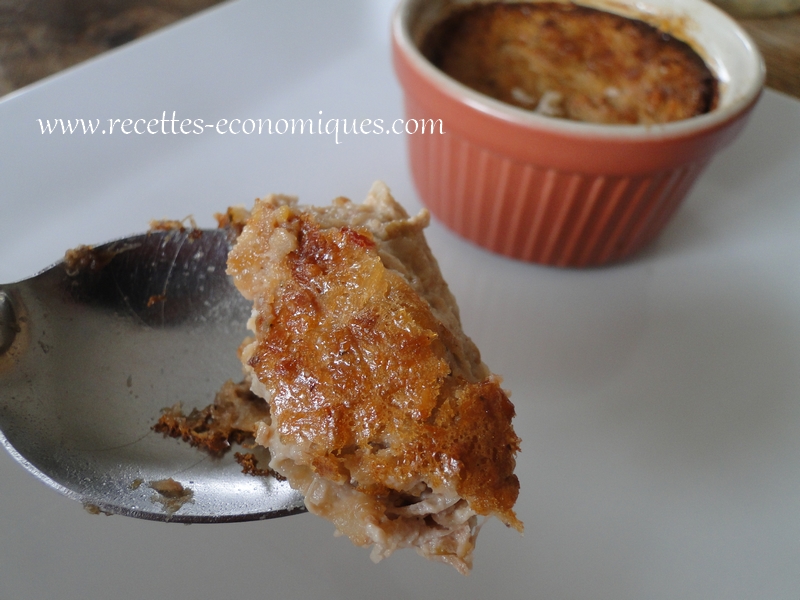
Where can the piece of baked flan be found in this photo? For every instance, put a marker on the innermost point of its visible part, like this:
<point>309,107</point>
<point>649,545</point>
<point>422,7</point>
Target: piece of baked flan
<point>380,410</point>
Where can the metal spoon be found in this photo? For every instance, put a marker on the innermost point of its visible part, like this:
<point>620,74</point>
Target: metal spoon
<point>89,355</point>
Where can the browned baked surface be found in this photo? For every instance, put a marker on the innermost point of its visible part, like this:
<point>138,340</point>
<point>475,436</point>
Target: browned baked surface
<point>573,62</point>
<point>382,412</point>
<point>360,380</point>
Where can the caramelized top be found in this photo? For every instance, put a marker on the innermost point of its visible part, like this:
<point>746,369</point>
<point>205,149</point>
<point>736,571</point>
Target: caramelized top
<point>574,62</point>
<point>375,383</point>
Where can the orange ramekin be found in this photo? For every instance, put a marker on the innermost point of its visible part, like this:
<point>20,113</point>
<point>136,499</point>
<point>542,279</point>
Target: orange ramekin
<point>560,192</point>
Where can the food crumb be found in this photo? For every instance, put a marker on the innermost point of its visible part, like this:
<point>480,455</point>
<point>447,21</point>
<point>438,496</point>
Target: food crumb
<point>216,427</point>
<point>249,463</point>
<point>156,299</point>
<point>171,494</point>
<point>93,509</point>
<point>86,258</point>
<point>234,218</point>
<point>173,224</point>
<point>91,259</point>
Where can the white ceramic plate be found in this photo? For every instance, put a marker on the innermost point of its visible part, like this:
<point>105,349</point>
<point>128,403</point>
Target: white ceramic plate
<point>658,401</point>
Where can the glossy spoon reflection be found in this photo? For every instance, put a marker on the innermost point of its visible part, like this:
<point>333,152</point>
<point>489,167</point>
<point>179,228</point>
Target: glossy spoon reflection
<point>92,349</point>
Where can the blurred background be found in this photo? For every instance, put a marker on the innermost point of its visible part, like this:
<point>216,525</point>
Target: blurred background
<point>42,37</point>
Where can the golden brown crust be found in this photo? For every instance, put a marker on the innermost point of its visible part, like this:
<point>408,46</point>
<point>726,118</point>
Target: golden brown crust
<point>573,62</point>
<point>377,385</point>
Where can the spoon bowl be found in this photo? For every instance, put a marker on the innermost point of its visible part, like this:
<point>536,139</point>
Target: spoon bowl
<point>93,348</point>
